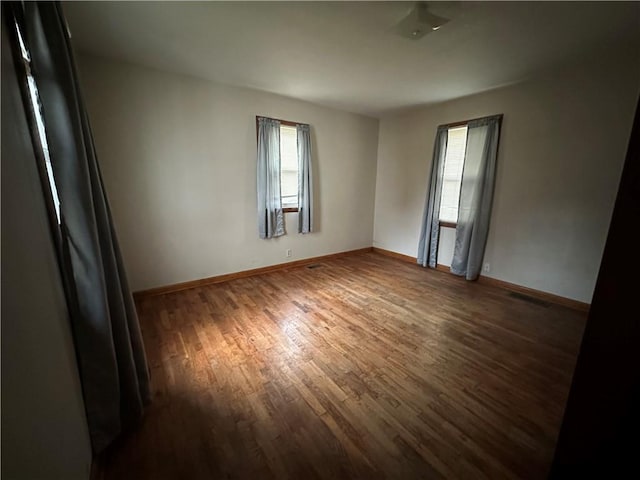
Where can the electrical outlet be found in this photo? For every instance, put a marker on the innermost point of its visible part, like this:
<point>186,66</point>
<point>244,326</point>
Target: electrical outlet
<point>486,268</point>
<point>288,252</point>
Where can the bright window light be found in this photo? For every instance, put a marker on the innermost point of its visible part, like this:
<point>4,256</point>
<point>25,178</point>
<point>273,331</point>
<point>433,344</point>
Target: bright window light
<point>289,166</point>
<point>37,110</point>
<point>452,178</point>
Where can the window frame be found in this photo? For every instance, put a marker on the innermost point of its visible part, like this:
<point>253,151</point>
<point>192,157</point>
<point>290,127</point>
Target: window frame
<point>286,123</point>
<point>447,224</point>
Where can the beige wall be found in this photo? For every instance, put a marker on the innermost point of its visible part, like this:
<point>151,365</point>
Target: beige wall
<point>562,147</point>
<point>44,430</point>
<point>178,159</point>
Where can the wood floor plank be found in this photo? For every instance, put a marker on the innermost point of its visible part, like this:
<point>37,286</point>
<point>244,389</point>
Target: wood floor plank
<point>364,367</point>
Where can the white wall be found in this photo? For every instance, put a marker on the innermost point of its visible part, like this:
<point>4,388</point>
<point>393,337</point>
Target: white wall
<point>44,431</point>
<point>562,147</point>
<point>178,159</point>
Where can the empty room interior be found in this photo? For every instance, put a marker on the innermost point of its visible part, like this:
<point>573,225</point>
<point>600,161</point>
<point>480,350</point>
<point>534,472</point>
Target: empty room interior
<point>304,239</point>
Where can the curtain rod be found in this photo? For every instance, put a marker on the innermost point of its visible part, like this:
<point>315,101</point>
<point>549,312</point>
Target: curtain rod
<point>283,122</point>
<point>464,122</point>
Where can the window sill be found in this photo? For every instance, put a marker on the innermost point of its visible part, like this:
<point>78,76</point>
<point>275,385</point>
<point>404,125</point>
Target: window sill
<point>448,224</point>
<point>290,209</point>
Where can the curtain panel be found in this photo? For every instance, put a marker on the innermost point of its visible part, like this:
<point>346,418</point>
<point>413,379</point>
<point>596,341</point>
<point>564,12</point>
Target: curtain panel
<point>305,180</point>
<point>270,213</point>
<point>430,230</point>
<point>476,196</point>
<point>107,337</point>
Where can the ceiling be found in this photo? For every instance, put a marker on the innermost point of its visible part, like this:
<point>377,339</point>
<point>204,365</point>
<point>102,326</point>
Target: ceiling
<point>346,54</point>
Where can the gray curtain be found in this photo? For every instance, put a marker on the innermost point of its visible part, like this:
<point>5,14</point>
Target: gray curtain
<point>430,230</point>
<point>108,342</point>
<point>305,180</point>
<point>270,214</point>
<point>476,195</point>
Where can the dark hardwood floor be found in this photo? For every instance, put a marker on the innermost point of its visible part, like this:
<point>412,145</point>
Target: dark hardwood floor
<point>364,367</point>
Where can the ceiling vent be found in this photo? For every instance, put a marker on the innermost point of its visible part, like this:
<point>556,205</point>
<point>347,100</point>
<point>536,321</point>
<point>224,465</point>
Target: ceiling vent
<point>420,22</point>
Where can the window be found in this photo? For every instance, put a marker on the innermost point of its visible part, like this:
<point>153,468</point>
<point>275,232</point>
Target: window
<point>289,167</point>
<point>39,121</point>
<point>284,175</point>
<point>452,176</point>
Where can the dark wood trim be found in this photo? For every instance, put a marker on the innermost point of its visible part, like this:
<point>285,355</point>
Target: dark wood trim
<point>176,287</point>
<point>290,210</point>
<point>286,123</point>
<point>547,297</point>
<point>455,124</point>
<point>407,258</point>
<point>282,122</point>
<point>399,256</point>
<point>448,224</point>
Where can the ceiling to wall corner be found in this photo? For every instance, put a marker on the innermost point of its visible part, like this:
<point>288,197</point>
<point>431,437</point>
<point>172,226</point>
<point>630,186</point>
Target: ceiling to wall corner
<point>347,55</point>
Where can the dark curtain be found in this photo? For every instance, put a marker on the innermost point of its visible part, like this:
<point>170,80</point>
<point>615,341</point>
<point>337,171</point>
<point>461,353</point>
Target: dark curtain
<point>108,341</point>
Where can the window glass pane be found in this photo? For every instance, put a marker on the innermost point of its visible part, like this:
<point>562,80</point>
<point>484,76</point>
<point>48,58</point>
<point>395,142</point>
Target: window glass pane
<point>35,103</point>
<point>23,48</point>
<point>289,165</point>
<point>453,165</point>
<point>289,184</point>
